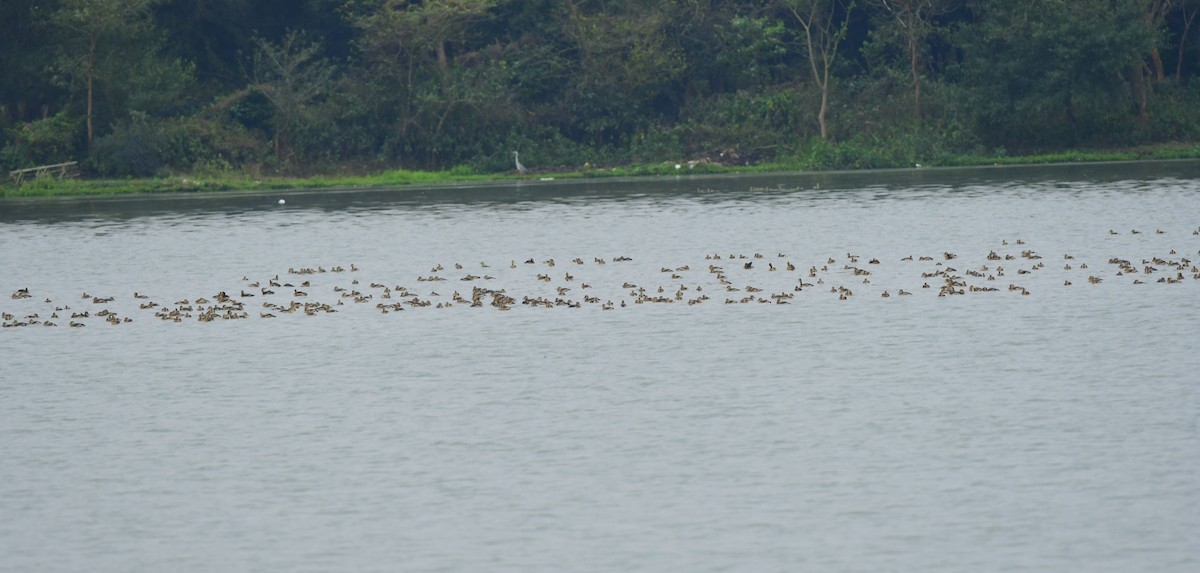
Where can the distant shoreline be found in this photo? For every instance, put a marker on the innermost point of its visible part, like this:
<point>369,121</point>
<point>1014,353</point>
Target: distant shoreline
<point>245,184</point>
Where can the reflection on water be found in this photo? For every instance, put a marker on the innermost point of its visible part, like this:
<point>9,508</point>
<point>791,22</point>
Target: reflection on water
<point>989,430</point>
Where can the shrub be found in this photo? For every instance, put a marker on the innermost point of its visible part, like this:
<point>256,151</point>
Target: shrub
<point>45,141</point>
<point>143,147</point>
<point>1174,111</point>
<point>134,149</point>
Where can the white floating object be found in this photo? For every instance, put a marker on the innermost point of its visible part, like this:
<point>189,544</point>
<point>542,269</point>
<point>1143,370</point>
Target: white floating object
<point>281,201</point>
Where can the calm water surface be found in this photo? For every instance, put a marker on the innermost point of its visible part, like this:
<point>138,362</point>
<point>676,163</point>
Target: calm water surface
<point>1058,430</point>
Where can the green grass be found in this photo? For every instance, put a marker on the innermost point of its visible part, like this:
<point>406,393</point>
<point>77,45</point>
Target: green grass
<point>1148,153</point>
<point>50,187</point>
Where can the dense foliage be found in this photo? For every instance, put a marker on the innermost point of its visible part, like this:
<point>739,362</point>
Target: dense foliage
<point>145,87</point>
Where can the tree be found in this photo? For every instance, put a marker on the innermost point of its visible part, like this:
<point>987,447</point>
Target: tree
<point>1155,13</point>
<point>27,92</point>
<point>825,24</point>
<point>90,26</point>
<point>626,63</point>
<point>1188,10</point>
<point>1034,65</point>
<point>293,76</point>
<point>915,20</point>
<point>217,35</point>
<point>430,74</point>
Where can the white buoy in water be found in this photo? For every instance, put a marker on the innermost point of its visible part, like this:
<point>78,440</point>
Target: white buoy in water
<point>281,201</point>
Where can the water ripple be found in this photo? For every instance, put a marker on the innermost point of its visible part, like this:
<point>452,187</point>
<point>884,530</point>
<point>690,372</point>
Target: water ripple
<point>993,431</point>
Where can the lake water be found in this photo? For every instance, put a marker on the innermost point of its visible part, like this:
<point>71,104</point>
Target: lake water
<point>700,428</point>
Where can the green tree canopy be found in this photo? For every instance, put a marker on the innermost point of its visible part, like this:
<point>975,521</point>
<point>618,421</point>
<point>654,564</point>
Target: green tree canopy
<point>1037,69</point>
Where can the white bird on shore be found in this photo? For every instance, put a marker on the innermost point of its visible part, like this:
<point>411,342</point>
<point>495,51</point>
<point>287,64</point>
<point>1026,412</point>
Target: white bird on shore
<point>517,159</point>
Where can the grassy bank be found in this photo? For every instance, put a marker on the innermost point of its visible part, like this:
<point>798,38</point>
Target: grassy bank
<point>50,187</point>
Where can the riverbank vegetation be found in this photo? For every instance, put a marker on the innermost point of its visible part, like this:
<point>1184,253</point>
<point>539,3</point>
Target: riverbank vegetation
<point>153,95</point>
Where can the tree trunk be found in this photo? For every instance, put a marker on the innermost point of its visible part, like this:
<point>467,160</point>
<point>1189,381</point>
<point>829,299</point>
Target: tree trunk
<point>1179,56</point>
<point>824,108</point>
<point>408,96</point>
<point>443,62</point>
<point>1187,24</point>
<point>914,63</point>
<point>91,72</point>
<point>1159,72</point>
<point>821,81</point>
<point>1139,92</point>
<point>1072,121</point>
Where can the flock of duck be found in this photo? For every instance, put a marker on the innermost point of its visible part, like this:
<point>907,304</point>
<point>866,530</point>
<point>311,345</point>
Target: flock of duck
<point>722,278</point>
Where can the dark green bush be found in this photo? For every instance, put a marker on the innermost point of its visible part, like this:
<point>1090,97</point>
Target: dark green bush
<point>1174,111</point>
<point>137,148</point>
<point>42,142</point>
<point>142,147</point>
